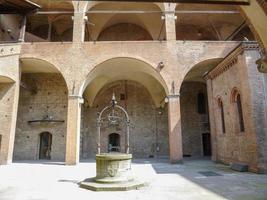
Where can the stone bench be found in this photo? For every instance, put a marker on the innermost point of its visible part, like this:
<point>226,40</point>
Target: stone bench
<point>239,167</point>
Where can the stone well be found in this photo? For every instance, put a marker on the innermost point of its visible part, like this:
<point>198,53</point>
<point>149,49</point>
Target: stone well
<point>113,170</point>
<point>113,173</point>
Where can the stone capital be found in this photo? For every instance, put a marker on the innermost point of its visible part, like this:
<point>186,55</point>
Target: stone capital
<point>79,98</point>
<point>173,96</point>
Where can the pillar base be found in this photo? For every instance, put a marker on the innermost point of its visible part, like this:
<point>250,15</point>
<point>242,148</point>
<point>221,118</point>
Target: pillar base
<point>71,162</point>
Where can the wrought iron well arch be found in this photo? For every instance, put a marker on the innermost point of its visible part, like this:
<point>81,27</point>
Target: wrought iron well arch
<point>113,105</point>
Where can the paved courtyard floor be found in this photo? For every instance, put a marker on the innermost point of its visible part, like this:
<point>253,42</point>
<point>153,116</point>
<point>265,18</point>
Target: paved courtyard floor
<point>193,180</point>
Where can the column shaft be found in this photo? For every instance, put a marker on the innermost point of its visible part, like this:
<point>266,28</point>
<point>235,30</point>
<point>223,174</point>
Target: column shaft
<point>73,130</point>
<point>170,26</point>
<point>78,27</point>
<point>175,132</point>
<point>212,120</point>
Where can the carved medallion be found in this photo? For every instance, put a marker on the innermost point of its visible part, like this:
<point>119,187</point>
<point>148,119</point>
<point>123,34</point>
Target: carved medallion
<point>113,169</point>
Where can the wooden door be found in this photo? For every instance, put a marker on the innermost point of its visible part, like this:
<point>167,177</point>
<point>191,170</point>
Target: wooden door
<point>45,146</point>
<point>206,144</point>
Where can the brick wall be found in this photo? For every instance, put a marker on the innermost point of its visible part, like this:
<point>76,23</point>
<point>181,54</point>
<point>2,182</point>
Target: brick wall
<point>50,99</point>
<point>193,123</point>
<point>235,146</point>
<point>148,126</point>
<point>124,32</point>
<point>6,105</point>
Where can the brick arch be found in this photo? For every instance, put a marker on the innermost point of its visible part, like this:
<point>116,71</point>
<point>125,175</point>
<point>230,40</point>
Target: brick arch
<point>6,79</point>
<point>136,70</point>
<point>90,5</point>
<point>103,21</point>
<point>219,101</point>
<point>115,33</point>
<point>199,66</point>
<point>152,64</point>
<point>234,93</point>
<point>50,63</point>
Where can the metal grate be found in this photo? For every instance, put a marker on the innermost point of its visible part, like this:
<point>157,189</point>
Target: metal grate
<point>209,173</point>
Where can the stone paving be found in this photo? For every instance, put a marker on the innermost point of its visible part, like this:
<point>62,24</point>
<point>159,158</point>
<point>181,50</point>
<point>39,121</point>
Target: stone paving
<point>195,179</point>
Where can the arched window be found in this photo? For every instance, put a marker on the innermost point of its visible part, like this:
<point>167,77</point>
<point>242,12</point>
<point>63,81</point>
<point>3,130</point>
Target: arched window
<point>236,99</point>
<point>240,113</point>
<point>220,104</point>
<point>201,103</point>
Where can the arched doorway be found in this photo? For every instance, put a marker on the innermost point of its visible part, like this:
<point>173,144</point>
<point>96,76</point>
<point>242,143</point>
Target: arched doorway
<point>114,142</point>
<point>45,146</point>
<point>194,111</point>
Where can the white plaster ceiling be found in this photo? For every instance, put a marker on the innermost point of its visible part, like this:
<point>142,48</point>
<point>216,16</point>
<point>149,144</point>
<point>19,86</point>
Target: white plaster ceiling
<point>221,25</point>
<point>32,65</point>
<point>197,72</point>
<point>125,69</point>
<point>149,21</point>
<point>54,4</point>
<point>4,79</point>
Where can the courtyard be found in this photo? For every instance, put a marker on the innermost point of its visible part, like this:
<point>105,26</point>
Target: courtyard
<point>194,179</point>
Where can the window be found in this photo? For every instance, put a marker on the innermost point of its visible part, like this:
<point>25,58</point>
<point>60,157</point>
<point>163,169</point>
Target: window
<point>236,99</point>
<point>240,113</point>
<point>201,102</point>
<point>220,103</point>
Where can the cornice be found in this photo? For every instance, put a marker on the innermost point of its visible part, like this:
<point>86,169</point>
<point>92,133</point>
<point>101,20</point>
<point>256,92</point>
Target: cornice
<point>231,59</point>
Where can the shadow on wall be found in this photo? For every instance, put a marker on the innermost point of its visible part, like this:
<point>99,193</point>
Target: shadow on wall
<point>4,88</point>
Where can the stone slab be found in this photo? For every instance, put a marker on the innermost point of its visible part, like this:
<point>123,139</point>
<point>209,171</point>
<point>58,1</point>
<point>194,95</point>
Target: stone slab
<point>239,167</point>
<point>124,186</point>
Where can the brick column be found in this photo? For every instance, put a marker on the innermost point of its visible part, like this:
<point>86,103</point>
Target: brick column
<point>78,27</point>
<point>175,132</point>
<point>170,22</point>
<point>8,110</point>
<point>212,120</point>
<point>73,130</point>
